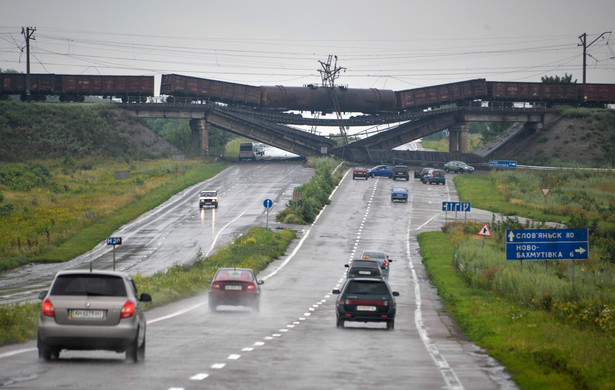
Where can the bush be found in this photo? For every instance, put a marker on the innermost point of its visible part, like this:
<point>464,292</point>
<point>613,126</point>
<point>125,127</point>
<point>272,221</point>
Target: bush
<point>314,195</point>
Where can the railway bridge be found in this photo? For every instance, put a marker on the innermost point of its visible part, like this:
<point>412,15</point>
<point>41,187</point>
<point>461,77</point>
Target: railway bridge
<point>390,131</point>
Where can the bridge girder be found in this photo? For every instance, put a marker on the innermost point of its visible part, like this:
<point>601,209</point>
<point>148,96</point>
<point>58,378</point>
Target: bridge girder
<point>283,137</point>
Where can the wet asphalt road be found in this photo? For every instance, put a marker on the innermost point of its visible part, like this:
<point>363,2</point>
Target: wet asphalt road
<point>292,343</point>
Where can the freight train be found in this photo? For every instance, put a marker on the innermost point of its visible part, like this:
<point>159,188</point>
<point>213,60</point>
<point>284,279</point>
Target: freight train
<point>188,89</point>
<point>74,88</point>
<point>375,101</point>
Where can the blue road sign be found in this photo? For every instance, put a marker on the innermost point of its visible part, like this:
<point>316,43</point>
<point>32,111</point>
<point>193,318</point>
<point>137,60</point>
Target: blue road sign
<point>267,203</point>
<point>547,244</point>
<point>456,206</point>
<point>114,241</point>
<point>502,164</point>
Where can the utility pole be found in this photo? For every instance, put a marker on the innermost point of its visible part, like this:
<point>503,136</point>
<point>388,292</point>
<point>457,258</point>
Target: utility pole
<point>28,33</point>
<point>328,76</point>
<point>583,38</point>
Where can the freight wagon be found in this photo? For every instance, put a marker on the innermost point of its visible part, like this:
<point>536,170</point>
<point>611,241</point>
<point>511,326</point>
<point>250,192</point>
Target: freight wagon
<point>458,93</point>
<point>75,87</point>
<point>189,89</point>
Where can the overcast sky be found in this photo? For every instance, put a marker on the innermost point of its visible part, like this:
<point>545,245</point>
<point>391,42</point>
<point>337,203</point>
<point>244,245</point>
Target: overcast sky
<point>397,45</point>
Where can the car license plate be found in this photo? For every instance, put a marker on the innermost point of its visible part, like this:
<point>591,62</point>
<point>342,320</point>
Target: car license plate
<point>366,308</point>
<point>80,314</point>
<point>232,287</point>
<point>365,272</point>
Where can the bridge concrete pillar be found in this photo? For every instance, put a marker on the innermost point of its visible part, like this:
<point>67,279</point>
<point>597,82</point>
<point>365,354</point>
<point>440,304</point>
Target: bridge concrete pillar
<point>200,135</point>
<point>458,137</point>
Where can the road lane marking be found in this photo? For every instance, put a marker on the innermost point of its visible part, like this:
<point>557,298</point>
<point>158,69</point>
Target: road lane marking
<point>449,375</point>
<point>199,377</point>
<point>177,313</point>
<point>17,352</point>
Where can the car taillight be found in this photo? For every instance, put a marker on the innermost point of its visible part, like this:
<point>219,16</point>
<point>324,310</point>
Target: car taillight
<point>128,310</point>
<point>251,286</point>
<point>385,263</point>
<point>215,285</point>
<point>47,308</point>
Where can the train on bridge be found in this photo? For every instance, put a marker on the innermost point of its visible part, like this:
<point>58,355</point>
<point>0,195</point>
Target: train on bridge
<point>188,89</point>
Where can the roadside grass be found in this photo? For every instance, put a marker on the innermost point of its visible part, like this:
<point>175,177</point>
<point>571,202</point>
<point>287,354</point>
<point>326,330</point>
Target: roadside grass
<point>538,349</point>
<point>52,211</point>
<point>313,195</point>
<point>255,249</point>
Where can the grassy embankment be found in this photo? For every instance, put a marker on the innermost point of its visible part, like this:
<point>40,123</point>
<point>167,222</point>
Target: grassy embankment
<point>549,330</point>
<point>55,210</point>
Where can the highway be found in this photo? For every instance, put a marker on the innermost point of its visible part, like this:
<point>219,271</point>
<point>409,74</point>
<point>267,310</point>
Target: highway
<point>292,343</point>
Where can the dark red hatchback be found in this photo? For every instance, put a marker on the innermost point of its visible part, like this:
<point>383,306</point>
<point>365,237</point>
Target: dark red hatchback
<point>234,287</point>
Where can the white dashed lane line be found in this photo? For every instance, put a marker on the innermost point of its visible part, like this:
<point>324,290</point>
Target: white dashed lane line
<point>312,308</point>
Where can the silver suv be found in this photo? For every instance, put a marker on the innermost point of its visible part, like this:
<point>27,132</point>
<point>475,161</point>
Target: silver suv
<point>97,310</point>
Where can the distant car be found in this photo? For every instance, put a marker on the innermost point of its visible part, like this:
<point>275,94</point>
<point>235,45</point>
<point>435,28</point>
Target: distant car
<point>401,172</point>
<point>421,172</point>
<point>366,300</point>
<point>437,176</point>
<point>458,167</point>
<point>359,172</point>
<point>259,149</point>
<point>399,193</point>
<point>92,310</point>
<point>363,268</point>
<point>381,170</point>
<point>234,287</point>
<point>246,151</point>
<point>382,258</point>
<point>208,198</point>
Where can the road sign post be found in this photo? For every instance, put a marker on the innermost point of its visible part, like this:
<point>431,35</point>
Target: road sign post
<point>112,241</point>
<point>502,164</point>
<point>267,204</point>
<point>456,206</point>
<point>547,244</point>
<point>485,232</point>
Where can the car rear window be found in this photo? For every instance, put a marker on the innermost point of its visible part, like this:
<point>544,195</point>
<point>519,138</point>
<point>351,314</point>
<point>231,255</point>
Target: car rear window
<point>359,263</point>
<point>373,255</point>
<point>89,284</point>
<point>234,275</point>
<point>367,287</point>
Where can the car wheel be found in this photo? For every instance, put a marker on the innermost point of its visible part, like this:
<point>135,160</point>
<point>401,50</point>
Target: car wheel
<point>391,324</point>
<point>340,323</point>
<point>132,353</point>
<point>372,175</point>
<point>141,351</point>
<point>44,351</point>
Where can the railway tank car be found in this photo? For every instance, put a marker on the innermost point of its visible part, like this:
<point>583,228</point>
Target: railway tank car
<point>75,87</point>
<point>319,99</point>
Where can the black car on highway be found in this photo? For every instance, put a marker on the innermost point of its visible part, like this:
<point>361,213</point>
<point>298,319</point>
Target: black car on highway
<point>401,172</point>
<point>363,268</point>
<point>366,300</point>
